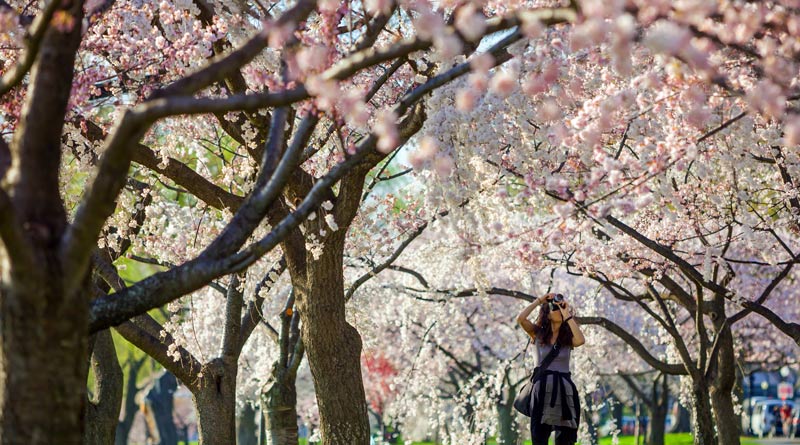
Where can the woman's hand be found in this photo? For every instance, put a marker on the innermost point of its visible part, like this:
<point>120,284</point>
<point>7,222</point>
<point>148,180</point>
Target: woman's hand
<point>563,306</point>
<point>543,299</point>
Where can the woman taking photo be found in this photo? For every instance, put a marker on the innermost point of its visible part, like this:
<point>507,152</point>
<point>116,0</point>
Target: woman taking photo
<point>556,404</point>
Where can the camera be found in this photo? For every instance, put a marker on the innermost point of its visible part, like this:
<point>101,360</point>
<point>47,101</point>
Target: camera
<point>554,302</point>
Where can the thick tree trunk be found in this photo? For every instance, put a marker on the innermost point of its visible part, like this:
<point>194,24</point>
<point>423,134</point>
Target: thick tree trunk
<point>507,433</point>
<point>102,412</point>
<point>658,411</point>
<point>43,366</point>
<point>43,327</point>
<point>279,405</point>
<point>728,423</point>
<point>215,402</point>
<point>702,419</point>
<point>333,347</point>
<point>247,426</point>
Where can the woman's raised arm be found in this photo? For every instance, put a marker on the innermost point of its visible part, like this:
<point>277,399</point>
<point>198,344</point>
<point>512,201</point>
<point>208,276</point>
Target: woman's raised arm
<point>522,318</point>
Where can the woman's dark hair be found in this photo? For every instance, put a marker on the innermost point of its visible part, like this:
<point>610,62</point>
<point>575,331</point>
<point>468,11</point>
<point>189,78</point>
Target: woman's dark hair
<point>544,329</point>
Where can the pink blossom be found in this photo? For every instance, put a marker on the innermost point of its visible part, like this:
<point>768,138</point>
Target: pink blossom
<point>478,81</point>
<point>428,24</point>
<point>667,37</point>
<point>375,7</point>
<point>354,109</point>
<point>482,63</point>
<point>326,91</point>
<point>448,45</point>
<point>470,22</point>
<point>767,98</point>
<point>534,84</point>
<point>465,99</point>
<point>312,58</point>
<point>531,26</point>
<point>564,210</point>
<point>503,83</point>
<point>791,131</point>
<point>549,111</point>
<point>443,165</point>
<point>386,129</point>
<point>426,150</point>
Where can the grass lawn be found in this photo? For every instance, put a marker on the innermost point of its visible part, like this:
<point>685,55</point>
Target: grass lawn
<point>671,439</point>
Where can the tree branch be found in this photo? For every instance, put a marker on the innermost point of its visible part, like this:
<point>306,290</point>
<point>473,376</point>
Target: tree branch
<point>163,287</point>
<point>635,344</point>
<point>233,313</point>
<point>253,314</point>
<point>143,332</point>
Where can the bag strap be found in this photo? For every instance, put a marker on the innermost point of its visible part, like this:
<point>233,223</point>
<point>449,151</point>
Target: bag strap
<point>548,359</point>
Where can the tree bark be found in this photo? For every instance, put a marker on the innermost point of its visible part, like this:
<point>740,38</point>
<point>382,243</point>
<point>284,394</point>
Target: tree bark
<point>702,419</point>
<point>215,401</point>
<point>507,433</point>
<point>102,413</point>
<point>43,327</point>
<point>724,379</point>
<point>658,411</point>
<point>333,347</point>
<point>279,405</point>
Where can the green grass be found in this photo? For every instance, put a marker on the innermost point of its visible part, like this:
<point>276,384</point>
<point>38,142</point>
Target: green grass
<point>670,439</point>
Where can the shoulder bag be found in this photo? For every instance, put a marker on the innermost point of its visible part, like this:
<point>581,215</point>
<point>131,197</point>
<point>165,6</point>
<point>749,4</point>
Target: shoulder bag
<point>522,402</point>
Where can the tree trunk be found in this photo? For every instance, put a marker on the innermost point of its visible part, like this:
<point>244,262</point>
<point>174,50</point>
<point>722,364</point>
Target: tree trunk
<point>507,433</point>
<point>130,408</point>
<point>724,378</point>
<point>658,411</point>
<point>728,423</point>
<point>215,402</point>
<point>43,326</point>
<point>248,434</point>
<point>587,419</point>
<point>616,410</point>
<point>43,366</point>
<point>160,402</point>
<point>279,405</point>
<point>333,347</point>
<point>102,412</point>
<point>702,420</point>
<point>683,421</point>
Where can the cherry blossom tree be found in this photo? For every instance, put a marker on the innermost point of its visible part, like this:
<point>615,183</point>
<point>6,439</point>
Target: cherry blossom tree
<point>658,136</point>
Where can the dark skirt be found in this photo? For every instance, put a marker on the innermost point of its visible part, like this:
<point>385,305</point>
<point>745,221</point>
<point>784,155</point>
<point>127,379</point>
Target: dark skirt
<point>556,407</point>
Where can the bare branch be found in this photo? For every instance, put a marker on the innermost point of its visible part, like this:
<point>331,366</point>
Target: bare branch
<point>765,293</point>
<point>388,262</point>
